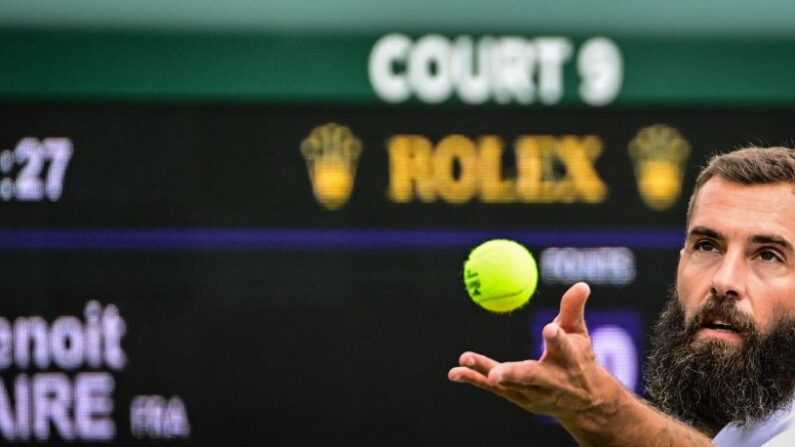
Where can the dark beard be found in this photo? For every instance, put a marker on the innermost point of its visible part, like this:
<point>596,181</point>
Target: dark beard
<point>711,383</point>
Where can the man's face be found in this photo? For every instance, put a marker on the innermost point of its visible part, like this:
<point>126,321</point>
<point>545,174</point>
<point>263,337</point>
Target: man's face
<point>723,350</point>
<point>739,248</point>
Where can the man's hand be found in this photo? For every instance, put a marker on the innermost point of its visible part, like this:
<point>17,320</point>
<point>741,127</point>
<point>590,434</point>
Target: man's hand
<point>564,382</point>
<point>568,384</point>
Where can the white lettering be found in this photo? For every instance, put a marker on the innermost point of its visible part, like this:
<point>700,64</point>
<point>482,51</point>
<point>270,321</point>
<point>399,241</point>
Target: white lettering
<point>94,406</point>
<point>175,419</point>
<point>429,69</point>
<point>599,265</point>
<point>157,418</point>
<point>7,423</point>
<point>93,335</point>
<point>388,84</point>
<point>553,52</point>
<point>24,410</point>
<point>15,425</point>
<point>66,342</point>
<point>506,70</point>
<point>27,332</point>
<point>113,328</point>
<point>601,71</point>
<point>6,344</point>
<point>513,64</point>
<point>470,69</point>
<point>51,401</point>
<point>79,406</point>
<point>79,410</point>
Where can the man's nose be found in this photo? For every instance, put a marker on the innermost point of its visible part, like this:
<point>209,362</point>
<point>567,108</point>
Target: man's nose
<point>730,278</point>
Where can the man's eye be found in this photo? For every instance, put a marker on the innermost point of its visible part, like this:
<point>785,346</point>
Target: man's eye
<point>769,255</point>
<point>704,246</point>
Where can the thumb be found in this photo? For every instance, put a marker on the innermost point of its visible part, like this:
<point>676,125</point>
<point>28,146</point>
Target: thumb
<point>572,309</point>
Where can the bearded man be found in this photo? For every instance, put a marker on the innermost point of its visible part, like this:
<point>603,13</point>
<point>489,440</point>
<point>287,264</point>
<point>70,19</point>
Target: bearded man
<point>722,368</point>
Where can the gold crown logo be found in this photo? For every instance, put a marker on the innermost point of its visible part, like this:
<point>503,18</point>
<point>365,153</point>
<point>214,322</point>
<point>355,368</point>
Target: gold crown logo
<point>331,152</point>
<point>659,154</point>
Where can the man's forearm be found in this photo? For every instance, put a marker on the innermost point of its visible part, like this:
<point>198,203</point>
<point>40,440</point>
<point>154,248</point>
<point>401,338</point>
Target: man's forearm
<point>628,421</point>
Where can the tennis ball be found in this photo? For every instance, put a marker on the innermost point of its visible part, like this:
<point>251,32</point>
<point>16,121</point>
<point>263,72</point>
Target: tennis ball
<point>500,275</point>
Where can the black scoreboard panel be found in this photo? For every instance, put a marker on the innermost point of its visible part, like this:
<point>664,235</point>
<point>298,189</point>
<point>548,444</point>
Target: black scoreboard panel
<point>310,348</point>
<point>242,166</point>
<point>196,274</point>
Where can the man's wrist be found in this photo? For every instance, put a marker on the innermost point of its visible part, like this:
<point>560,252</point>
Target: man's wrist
<point>598,423</point>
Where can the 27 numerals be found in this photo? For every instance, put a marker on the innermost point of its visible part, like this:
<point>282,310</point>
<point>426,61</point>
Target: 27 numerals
<point>43,169</point>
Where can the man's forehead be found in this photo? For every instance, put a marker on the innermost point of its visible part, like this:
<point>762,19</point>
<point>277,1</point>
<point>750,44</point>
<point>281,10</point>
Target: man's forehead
<point>722,203</point>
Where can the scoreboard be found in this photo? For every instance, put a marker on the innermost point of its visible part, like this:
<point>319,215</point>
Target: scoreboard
<point>235,270</point>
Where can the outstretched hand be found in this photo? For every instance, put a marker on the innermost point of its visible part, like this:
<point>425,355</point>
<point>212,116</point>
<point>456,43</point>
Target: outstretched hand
<point>567,384</point>
<point>564,382</point>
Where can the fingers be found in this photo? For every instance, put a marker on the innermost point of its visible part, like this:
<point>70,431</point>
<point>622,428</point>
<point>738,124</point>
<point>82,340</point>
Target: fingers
<point>572,309</point>
<point>525,373</point>
<point>477,362</point>
<point>462,374</point>
<point>465,375</point>
<point>474,370</point>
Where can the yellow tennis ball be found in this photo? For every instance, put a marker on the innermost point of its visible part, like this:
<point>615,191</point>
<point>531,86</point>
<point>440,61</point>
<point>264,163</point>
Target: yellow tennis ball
<point>500,275</point>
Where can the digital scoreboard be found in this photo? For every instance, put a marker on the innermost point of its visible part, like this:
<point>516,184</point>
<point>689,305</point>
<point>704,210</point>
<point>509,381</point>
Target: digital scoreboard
<point>227,270</point>
<point>237,274</point>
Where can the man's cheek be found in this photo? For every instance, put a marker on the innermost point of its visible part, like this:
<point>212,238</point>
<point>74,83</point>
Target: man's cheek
<point>689,307</point>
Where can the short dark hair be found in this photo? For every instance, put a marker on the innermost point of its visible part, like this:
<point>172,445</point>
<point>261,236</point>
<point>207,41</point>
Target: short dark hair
<point>748,166</point>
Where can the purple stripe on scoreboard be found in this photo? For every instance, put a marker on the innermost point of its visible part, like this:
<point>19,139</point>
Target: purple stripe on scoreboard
<point>157,239</point>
